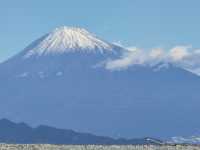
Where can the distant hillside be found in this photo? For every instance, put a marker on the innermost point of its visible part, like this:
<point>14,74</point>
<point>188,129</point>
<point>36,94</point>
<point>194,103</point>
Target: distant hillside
<point>21,133</point>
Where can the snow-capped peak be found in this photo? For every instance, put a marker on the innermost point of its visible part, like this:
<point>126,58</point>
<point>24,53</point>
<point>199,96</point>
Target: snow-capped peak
<point>67,39</point>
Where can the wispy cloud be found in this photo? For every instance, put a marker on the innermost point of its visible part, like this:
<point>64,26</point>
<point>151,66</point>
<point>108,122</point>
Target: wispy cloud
<point>182,56</point>
<point>133,56</point>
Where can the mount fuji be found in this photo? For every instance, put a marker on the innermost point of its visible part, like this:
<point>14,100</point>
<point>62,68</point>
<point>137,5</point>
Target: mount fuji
<point>60,80</point>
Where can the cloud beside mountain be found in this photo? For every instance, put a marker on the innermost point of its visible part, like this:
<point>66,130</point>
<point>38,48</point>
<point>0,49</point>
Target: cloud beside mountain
<point>181,56</point>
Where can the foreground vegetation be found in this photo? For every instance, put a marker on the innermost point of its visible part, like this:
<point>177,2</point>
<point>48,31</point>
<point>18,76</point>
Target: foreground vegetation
<point>97,147</point>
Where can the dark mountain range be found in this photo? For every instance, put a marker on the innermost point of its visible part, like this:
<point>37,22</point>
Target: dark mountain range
<point>21,133</point>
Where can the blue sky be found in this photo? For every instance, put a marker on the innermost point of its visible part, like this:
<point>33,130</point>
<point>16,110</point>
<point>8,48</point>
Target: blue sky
<point>141,23</point>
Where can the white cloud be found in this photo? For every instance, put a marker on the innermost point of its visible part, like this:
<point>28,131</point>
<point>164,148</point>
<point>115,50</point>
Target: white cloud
<point>179,52</point>
<point>181,56</point>
<point>157,53</point>
<point>133,56</point>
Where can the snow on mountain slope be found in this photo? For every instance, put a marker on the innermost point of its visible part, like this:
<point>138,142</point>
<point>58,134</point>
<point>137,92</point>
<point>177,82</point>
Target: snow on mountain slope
<point>59,50</point>
<point>68,39</point>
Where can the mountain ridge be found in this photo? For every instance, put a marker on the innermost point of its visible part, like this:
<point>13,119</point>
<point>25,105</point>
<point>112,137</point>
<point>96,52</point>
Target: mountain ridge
<point>21,133</point>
